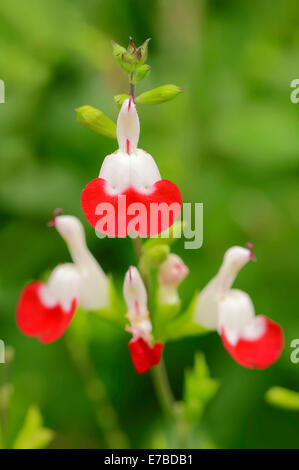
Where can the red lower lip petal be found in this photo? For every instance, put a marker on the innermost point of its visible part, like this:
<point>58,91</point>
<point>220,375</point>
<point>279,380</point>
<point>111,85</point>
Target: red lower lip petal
<point>260,353</point>
<point>162,191</point>
<point>35,319</point>
<point>144,355</point>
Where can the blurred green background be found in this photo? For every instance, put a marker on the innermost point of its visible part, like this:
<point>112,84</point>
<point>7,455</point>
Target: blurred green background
<point>230,141</point>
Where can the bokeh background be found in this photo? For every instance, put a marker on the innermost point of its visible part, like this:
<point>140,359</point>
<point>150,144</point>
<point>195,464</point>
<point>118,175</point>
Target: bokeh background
<point>230,141</point>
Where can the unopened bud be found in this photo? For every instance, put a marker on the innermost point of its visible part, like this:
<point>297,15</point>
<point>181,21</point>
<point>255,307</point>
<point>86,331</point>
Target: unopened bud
<point>159,95</point>
<point>142,72</point>
<point>96,120</point>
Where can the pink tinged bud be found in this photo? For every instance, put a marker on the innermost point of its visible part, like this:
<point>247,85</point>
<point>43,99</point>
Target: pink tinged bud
<point>128,126</point>
<point>46,310</point>
<point>206,310</point>
<point>95,285</point>
<point>144,355</point>
<point>252,341</point>
<point>172,270</point>
<point>171,273</point>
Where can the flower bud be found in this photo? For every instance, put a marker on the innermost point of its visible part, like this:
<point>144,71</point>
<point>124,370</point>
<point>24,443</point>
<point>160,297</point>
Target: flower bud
<point>135,293</point>
<point>143,354</point>
<point>142,72</point>
<point>159,95</point>
<point>171,273</point>
<point>96,120</point>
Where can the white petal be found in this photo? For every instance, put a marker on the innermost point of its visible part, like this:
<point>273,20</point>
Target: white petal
<point>134,291</point>
<point>128,127</point>
<point>95,285</point>
<point>63,286</point>
<point>122,171</point>
<point>206,309</point>
<point>236,312</point>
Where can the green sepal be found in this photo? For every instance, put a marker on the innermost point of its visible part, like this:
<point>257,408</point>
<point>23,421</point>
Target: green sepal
<point>168,237</point>
<point>199,389</point>
<point>132,58</point>
<point>142,72</point>
<point>119,99</point>
<point>183,325</point>
<point>142,51</point>
<point>96,120</point>
<point>117,51</point>
<point>159,95</point>
<point>153,256</point>
<point>283,398</point>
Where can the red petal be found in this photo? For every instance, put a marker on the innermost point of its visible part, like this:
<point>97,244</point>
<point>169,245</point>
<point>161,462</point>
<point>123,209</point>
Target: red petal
<point>144,355</point>
<point>162,191</point>
<point>35,319</point>
<point>259,353</point>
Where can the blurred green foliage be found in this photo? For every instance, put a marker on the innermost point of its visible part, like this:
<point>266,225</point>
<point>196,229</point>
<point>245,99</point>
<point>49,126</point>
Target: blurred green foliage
<point>230,141</point>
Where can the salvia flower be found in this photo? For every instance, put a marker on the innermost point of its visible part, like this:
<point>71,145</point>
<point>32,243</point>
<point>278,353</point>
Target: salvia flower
<point>46,310</point>
<point>130,183</point>
<point>170,274</point>
<point>95,284</point>
<point>143,354</point>
<point>252,341</point>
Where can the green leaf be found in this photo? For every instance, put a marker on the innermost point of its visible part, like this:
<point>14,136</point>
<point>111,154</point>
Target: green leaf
<point>142,72</point>
<point>119,99</point>
<point>283,398</point>
<point>33,435</point>
<point>96,120</point>
<point>183,325</point>
<point>199,389</point>
<point>159,95</point>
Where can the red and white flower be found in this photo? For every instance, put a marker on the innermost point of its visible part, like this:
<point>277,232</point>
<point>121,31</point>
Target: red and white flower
<point>253,341</point>
<point>170,275</point>
<point>130,182</point>
<point>95,284</point>
<point>46,310</point>
<point>143,354</point>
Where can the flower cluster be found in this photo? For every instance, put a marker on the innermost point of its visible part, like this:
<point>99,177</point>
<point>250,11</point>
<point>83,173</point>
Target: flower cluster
<point>129,181</point>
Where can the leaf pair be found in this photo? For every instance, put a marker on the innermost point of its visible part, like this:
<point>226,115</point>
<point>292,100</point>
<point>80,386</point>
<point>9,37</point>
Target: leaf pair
<point>97,121</point>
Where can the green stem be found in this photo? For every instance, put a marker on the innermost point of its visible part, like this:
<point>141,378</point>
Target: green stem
<point>159,374</point>
<point>96,391</point>
<point>160,379</point>
<point>5,392</point>
<point>132,85</point>
<point>163,390</point>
